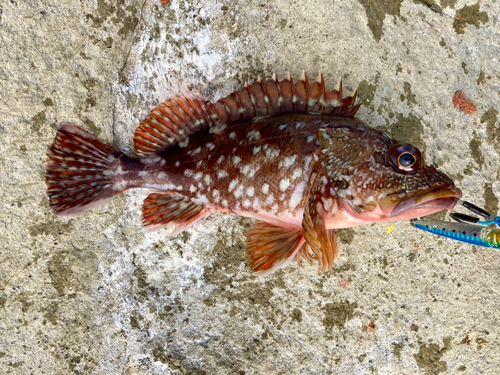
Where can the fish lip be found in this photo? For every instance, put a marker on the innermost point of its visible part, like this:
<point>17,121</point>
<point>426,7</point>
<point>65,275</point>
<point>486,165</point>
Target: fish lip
<point>437,200</point>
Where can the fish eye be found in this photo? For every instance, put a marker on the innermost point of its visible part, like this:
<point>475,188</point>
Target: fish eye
<point>405,158</point>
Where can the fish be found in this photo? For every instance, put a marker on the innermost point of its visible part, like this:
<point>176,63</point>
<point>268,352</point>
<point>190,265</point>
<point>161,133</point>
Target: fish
<point>289,154</point>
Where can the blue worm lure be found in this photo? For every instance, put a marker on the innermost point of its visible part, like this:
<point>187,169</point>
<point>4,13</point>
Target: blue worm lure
<point>467,229</point>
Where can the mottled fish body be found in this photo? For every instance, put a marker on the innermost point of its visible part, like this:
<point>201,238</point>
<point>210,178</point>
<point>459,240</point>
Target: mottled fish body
<point>287,154</point>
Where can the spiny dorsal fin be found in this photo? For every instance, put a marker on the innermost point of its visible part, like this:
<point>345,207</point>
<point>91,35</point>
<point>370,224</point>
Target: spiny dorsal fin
<point>176,119</point>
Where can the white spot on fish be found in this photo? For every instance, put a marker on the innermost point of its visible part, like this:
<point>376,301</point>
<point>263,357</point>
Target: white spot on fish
<point>207,179</point>
<point>224,203</point>
<point>220,159</point>
<point>192,188</point>
<point>217,129</point>
<point>297,194</point>
<point>288,161</point>
<point>246,203</point>
<point>202,199</point>
<point>265,188</point>
<point>284,184</point>
<point>270,199</point>
<point>236,160</point>
<point>233,184</point>
<point>297,172</point>
<point>253,135</point>
<point>222,174</point>
<point>162,175</point>
<point>210,146</point>
<point>327,203</point>
<point>250,191</point>
<point>184,143</point>
<point>256,204</point>
<point>239,191</point>
<point>177,163</point>
<point>256,150</point>
<point>188,173</point>
<point>272,152</point>
<point>310,138</point>
<point>198,176</point>
<point>232,135</point>
<point>274,208</point>
<point>216,195</point>
<point>195,151</point>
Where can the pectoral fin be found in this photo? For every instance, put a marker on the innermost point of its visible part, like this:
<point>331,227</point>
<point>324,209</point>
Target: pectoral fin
<point>270,246</point>
<point>161,210</point>
<point>321,241</point>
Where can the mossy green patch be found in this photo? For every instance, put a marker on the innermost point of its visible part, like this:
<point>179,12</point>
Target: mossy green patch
<point>469,15</point>
<point>366,93</point>
<point>338,314</point>
<point>73,270</point>
<point>490,199</point>
<point>475,147</point>
<point>376,12</point>
<point>429,357</point>
<point>406,129</point>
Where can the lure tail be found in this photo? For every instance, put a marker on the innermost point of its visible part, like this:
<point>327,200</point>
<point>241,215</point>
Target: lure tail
<point>82,172</point>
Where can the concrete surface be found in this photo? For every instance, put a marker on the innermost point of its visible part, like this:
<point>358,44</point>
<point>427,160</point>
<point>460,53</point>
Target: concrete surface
<point>96,295</point>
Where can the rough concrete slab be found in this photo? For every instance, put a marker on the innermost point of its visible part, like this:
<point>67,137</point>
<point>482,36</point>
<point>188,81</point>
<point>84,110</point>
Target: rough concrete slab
<point>95,294</point>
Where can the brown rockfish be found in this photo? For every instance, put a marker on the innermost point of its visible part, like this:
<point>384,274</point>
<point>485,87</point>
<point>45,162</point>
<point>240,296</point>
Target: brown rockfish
<point>288,154</point>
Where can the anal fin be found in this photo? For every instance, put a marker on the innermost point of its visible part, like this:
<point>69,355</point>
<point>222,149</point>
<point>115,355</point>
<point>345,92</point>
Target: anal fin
<point>321,241</point>
<point>161,210</point>
<point>270,246</point>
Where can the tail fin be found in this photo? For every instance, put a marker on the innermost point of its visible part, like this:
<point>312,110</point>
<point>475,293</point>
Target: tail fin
<point>81,171</point>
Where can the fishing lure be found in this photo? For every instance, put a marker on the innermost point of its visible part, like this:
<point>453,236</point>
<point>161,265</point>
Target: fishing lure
<point>467,228</point>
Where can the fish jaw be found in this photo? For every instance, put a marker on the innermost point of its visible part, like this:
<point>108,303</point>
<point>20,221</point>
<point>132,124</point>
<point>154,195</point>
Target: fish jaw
<point>401,206</point>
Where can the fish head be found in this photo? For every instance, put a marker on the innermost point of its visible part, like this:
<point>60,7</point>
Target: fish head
<point>379,179</point>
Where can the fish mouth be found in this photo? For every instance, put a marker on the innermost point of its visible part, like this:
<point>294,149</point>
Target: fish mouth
<point>404,207</point>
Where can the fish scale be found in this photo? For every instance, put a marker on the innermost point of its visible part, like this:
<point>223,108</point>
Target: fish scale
<point>289,154</point>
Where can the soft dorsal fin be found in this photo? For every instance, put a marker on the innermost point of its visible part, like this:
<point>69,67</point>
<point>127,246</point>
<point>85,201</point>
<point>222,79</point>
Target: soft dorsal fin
<point>176,119</point>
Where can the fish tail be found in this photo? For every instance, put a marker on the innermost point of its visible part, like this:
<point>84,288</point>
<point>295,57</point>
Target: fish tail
<point>82,172</point>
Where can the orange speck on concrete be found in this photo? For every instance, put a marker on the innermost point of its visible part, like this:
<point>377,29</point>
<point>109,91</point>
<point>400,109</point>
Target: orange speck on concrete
<point>459,100</point>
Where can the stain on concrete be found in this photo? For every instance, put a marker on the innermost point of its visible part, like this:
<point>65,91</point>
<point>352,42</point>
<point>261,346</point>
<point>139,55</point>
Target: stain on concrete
<point>449,3</point>
<point>429,356</point>
<point>37,121</point>
<point>338,314</point>
<point>51,226</point>
<point>490,199</point>
<point>409,96</point>
<point>469,15</point>
<point>406,129</point>
<point>73,270</point>
<point>464,67</point>
<point>475,147</point>
<point>431,4</point>
<point>490,117</point>
<point>366,93</point>
<point>297,315</point>
<point>376,12</point>
<point>346,235</point>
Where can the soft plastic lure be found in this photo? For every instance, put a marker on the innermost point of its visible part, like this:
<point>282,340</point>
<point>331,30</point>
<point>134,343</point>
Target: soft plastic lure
<point>467,229</point>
